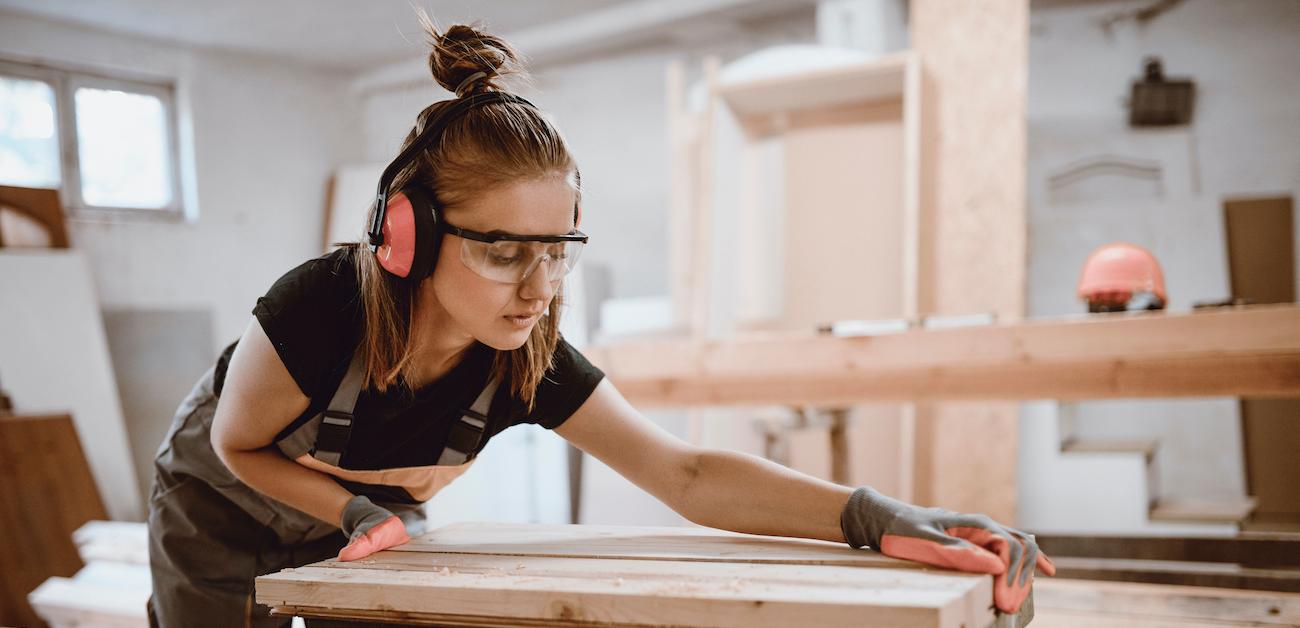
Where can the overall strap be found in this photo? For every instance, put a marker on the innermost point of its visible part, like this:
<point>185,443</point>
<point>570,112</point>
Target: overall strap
<point>467,433</point>
<point>336,421</point>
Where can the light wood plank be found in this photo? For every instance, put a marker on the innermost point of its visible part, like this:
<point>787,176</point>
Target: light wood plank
<point>68,602</point>
<point>1166,602</point>
<point>1146,447</point>
<point>1251,350</point>
<point>1179,572</point>
<point>1094,619</point>
<point>689,544</point>
<point>1227,510</point>
<point>113,541</point>
<point>630,591</point>
<point>541,575</point>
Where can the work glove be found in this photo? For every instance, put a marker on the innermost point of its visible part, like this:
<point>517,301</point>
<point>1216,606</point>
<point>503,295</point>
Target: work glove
<point>944,538</point>
<point>369,529</point>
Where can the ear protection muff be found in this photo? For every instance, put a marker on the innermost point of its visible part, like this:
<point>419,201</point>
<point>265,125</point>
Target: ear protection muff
<point>410,221</point>
<point>404,234</point>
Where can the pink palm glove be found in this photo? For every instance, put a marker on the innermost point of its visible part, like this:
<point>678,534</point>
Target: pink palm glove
<point>369,528</point>
<point>944,538</point>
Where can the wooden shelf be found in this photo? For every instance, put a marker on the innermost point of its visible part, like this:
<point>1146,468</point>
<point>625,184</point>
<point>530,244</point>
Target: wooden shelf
<point>868,81</point>
<point>1246,351</point>
<point>1146,447</point>
<point>1227,510</point>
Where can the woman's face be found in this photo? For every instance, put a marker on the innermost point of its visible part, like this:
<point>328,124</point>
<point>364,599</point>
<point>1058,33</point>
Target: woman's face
<point>500,315</point>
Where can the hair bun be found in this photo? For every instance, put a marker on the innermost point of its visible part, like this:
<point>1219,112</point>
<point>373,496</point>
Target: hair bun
<point>461,52</point>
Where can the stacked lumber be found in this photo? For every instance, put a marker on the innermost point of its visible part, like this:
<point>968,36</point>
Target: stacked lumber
<point>476,574</point>
<point>111,590</point>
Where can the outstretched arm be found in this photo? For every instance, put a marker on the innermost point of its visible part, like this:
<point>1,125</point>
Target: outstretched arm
<point>712,487</point>
<point>744,493</point>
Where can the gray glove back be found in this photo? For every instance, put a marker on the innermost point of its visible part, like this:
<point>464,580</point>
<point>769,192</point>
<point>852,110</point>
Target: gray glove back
<point>869,516</point>
<point>361,514</point>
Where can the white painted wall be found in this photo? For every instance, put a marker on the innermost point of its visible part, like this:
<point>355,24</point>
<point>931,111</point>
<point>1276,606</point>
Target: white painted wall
<point>261,137</point>
<point>1243,139</point>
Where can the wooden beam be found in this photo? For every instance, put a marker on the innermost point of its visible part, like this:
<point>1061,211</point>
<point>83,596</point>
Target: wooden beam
<point>1251,350</point>
<point>548,575</point>
<point>1133,604</point>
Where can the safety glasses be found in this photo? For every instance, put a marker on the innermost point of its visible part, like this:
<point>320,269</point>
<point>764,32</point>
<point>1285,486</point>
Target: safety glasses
<point>509,258</point>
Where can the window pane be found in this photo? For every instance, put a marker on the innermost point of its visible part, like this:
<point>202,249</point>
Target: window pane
<point>29,139</point>
<point>122,143</point>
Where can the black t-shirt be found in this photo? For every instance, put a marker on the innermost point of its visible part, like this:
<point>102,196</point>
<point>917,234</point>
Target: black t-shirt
<point>313,316</point>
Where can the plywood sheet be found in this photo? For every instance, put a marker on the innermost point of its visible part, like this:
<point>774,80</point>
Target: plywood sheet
<point>54,358</point>
<point>46,492</point>
<point>157,356</point>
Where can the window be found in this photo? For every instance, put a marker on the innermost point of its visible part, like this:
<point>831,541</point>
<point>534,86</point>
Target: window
<point>109,144</point>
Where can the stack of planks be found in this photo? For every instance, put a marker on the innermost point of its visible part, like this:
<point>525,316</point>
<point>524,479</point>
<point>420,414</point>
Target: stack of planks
<point>476,574</point>
<point>111,590</point>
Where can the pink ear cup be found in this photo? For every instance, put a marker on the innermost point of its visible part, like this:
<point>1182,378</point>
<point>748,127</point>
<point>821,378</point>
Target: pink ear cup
<point>398,250</point>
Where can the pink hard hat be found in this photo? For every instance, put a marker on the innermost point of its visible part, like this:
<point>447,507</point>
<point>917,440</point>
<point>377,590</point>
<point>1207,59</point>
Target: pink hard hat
<point>1114,273</point>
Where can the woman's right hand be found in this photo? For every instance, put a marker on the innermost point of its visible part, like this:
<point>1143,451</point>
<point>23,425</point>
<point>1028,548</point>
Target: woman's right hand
<point>370,528</point>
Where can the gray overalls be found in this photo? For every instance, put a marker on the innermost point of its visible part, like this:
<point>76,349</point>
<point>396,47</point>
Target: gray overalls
<point>210,534</point>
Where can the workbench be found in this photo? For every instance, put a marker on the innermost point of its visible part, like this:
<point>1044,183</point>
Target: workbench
<point>482,574</point>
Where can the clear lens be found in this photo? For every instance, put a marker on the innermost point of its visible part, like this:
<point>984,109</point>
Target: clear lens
<point>511,262</point>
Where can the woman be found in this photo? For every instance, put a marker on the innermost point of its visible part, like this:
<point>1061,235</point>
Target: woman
<point>435,338</point>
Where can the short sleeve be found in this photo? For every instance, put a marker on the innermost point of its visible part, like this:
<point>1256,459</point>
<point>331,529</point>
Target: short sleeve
<point>565,388</point>
<point>312,316</point>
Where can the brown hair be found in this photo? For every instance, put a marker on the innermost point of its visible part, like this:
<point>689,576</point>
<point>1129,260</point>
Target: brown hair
<point>488,146</point>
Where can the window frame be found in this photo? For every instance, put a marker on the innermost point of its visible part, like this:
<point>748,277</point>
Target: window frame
<point>64,82</point>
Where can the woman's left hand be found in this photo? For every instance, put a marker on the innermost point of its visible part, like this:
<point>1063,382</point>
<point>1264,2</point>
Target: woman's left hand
<point>946,539</point>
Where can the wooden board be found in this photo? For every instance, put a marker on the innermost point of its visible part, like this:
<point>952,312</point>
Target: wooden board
<point>1104,604</point>
<point>113,542</point>
<point>505,574</point>
<point>41,207</point>
<point>686,543</point>
<point>1251,350</point>
<point>46,492</point>
<point>103,595</point>
<point>973,229</point>
<point>1261,267</point>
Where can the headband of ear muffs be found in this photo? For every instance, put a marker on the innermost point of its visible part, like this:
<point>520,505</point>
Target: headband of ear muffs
<point>404,233</point>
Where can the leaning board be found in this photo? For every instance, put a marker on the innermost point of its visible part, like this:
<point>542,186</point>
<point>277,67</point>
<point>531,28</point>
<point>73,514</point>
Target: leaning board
<point>476,574</point>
